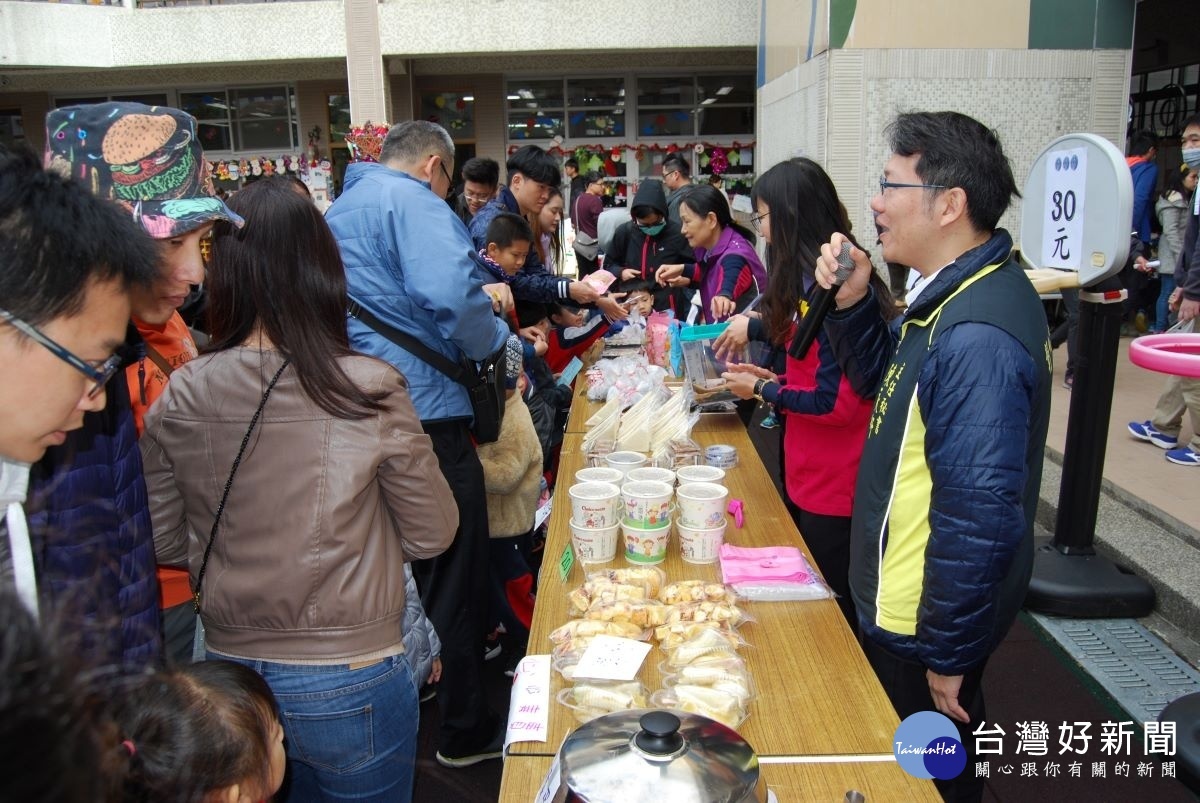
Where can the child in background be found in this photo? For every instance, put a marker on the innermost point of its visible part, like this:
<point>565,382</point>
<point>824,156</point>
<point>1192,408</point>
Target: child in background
<point>198,733</point>
<point>421,642</point>
<point>548,401</point>
<point>512,474</point>
<point>570,333</point>
<point>509,239</point>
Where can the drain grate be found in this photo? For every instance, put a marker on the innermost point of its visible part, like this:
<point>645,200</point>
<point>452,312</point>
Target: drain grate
<point>1132,664</point>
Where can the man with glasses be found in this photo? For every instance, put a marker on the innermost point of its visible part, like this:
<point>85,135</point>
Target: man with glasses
<point>532,173</point>
<point>88,509</point>
<point>67,263</point>
<point>677,177</point>
<point>409,262</point>
<point>942,528</point>
<point>481,177</point>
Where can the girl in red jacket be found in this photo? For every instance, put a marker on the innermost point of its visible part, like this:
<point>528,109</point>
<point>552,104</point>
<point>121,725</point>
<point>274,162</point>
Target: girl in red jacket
<point>825,419</point>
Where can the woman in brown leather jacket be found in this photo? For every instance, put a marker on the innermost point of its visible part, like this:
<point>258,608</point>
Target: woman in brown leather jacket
<point>292,478</point>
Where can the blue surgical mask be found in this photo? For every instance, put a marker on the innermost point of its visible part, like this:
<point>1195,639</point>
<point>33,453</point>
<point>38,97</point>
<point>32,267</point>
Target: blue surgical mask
<point>1191,158</point>
<point>653,231</point>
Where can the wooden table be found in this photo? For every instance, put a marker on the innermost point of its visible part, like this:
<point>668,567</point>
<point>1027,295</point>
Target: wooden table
<point>792,782</point>
<point>816,696</point>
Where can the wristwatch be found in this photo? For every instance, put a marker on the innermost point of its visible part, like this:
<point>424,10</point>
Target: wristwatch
<point>758,389</point>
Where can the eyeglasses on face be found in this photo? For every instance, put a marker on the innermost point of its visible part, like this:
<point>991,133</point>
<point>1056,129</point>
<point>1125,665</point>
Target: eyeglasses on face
<point>668,174</point>
<point>885,185</point>
<point>98,374</point>
<point>756,222</point>
<point>481,199</point>
<point>449,181</point>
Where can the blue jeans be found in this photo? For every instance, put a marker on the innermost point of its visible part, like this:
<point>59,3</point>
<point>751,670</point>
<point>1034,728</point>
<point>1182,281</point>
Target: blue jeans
<point>1162,312</point>
<point>351,734</point>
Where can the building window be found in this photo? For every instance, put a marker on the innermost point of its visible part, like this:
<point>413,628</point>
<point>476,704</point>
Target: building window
<point>260,119</point>
<point>1160,101</point>
<point>595,107</point>
<point>211,110</point>
<point>12,132</point>
<point>453,111</point>
<point>535,110</point>
<point>339,120</point>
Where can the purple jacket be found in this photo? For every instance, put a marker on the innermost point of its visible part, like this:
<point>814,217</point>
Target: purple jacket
<point>722,271</point>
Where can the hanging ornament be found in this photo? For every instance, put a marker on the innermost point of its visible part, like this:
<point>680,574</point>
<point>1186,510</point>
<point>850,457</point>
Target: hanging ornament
<point>672,148</point>
<point>439,101</point>
<point>256,167</point>
<point>704,160</point>
<point>735,157</point>
<point>641,153</point>
<point>616,154</point>
<point>223,171</point>
<point>698,147</point>
<point>460,104</point>
<point>719,162</point>
<point>234,171</point>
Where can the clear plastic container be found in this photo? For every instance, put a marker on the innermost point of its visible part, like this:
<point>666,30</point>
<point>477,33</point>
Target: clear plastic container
<point>595,698</point>
<point>708,702</point>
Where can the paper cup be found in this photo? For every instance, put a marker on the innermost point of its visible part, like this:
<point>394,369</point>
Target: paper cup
<point>700,545</point>
<point>701,504</point>
<point>687,474</point>
<point>647,503</point>
<point>652,473</point>
<point>594,544</point>
<point>595,504</point>
<point>600,474</point>
<point>646,546</point>
<point>625,461</point>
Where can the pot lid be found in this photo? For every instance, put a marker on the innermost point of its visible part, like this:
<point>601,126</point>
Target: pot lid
<point>658,756</point>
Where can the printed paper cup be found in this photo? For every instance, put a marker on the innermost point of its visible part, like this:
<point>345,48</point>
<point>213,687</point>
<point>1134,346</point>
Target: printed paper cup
<point>595,504</point>
<point>625,461</point>
<point>647,503</point>
<point>700,545</point>
<point>600,474</point>
<point>652,473</point>
<point>701,504</point>
<point>646,546</point>
<point>687,474</point>
<point>594,544</point>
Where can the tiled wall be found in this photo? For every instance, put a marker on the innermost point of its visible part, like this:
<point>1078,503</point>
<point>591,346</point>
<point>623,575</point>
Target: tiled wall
<point>1029,97</point>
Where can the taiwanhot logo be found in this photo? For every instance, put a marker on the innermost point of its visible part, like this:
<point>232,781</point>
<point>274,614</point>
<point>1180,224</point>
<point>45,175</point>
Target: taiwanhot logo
<point>927,746</point>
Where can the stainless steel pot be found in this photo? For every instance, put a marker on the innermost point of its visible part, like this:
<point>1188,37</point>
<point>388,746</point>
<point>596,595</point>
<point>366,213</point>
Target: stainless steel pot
<point>658,757</point>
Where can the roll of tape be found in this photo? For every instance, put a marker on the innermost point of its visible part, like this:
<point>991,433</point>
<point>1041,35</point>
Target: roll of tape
<point>721,455</point>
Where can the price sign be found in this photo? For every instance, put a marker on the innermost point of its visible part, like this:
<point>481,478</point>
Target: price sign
<point>612,658</point>
<point>565,563</point>
<point>1062,229</point>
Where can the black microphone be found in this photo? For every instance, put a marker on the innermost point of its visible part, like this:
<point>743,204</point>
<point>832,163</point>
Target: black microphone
<point>822,301</point>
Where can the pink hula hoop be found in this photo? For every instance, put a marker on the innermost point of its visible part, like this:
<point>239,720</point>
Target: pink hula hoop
<point>1177,354</point>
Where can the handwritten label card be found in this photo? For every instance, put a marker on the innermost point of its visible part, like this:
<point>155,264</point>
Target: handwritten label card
<point>612,658</point>
<point>1062,228</point>
<point>549,784</point>
<point>529,706</point>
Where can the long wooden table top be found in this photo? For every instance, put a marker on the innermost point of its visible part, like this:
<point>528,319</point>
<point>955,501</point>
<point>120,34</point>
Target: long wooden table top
<point>791,782</point>
<point>816,695</point>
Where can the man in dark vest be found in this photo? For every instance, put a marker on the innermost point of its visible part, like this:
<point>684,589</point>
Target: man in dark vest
<point>942,532</point>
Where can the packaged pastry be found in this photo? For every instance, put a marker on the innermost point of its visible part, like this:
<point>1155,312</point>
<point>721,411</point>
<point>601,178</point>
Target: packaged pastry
<point>725,613</point>
<point>697,591</point>
<point>583,628</point>
<point>670,636</point>
<point>651,578</point>
<point>595,698</point>
<point>704,700</point>
<point>728,677</point>
<point>689,643</point>
<point>650,613</point>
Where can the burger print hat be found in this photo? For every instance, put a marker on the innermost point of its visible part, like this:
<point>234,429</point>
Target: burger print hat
<point>146,158</point>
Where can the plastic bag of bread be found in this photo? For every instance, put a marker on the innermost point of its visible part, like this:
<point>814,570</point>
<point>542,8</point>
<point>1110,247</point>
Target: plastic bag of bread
<point>697,591</point>
<point>602,590</point>
<point>704,700</point>
<point>690,642</point>
<point>650,613</point>
<point>725,613</point>
<point>651,578</point>
<point>595,698</point>
<point>583,628</point>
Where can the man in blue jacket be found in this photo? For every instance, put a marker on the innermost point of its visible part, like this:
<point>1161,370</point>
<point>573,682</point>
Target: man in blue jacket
<point>942,528</point>
<point>409,262</point>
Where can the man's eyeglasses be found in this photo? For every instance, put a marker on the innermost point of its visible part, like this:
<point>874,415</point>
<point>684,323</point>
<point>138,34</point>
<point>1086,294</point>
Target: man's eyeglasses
<point>98,374</point>
<point>756,222</point>
<point>884,185</point>
<point>479,199</point>
<point>668,174</point>
<point>449,181</point>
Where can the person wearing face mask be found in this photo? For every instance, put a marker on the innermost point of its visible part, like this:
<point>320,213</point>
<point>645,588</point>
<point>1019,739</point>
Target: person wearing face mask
<point>1181,394</point>
<point>649,240</point>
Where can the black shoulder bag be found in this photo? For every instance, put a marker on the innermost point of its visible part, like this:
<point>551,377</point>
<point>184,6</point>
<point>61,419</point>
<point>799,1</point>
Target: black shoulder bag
<point>484,384</point>
<point>237,461</point>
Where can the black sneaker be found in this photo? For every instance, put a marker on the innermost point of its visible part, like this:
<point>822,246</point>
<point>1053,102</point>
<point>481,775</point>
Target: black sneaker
<point>493,749</point>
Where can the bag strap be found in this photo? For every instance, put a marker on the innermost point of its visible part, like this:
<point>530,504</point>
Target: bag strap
<point>410,344</point>
<point>237,461</point>
<point>158,359</point>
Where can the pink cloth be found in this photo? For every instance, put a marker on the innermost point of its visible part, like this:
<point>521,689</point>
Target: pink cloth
<point>774,564</point>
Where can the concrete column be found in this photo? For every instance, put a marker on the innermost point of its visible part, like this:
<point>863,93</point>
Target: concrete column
<point>364,63</point>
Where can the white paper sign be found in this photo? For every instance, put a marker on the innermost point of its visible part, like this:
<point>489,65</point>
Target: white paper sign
<point>612,658</point>
<point>529,705</point>
<point>543,513</point>
<point>1066,180</point>
<point>550,784</point>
